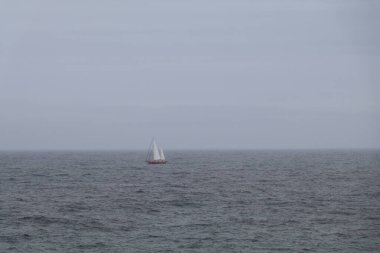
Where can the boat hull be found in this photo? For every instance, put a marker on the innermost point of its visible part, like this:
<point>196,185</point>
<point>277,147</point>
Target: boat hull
<point>157,162</point>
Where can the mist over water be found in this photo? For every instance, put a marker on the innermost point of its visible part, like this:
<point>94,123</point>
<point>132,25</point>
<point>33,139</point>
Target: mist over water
<point>201,201</point>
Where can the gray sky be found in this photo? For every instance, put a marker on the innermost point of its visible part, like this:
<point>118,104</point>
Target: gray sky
<point>195,74</point>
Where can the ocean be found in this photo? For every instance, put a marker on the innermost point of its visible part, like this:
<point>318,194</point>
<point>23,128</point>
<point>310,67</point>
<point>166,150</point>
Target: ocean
<point>201,201</point>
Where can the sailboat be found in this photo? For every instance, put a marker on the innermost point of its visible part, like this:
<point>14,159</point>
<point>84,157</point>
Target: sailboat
<point>155,154</point>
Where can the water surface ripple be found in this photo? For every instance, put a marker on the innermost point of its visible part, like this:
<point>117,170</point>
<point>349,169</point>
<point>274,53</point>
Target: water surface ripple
<point>220,201</point>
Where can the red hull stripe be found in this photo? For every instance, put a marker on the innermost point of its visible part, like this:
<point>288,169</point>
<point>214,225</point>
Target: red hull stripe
<point>156,162</point>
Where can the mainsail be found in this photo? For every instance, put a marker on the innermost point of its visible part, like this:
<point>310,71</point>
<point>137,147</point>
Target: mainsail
<point>156,152</point>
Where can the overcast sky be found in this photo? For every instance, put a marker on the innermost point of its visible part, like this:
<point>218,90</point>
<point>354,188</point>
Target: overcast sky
<point>81,74</point>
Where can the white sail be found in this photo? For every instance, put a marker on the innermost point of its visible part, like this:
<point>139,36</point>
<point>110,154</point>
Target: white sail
<point>156,153</point>
<point>162,154</point>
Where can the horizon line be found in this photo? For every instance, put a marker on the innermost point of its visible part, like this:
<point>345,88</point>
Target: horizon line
<point>186,149</point>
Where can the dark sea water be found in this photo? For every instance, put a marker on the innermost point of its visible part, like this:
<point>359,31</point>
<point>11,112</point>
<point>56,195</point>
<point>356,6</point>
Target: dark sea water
<point>222,201</point>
